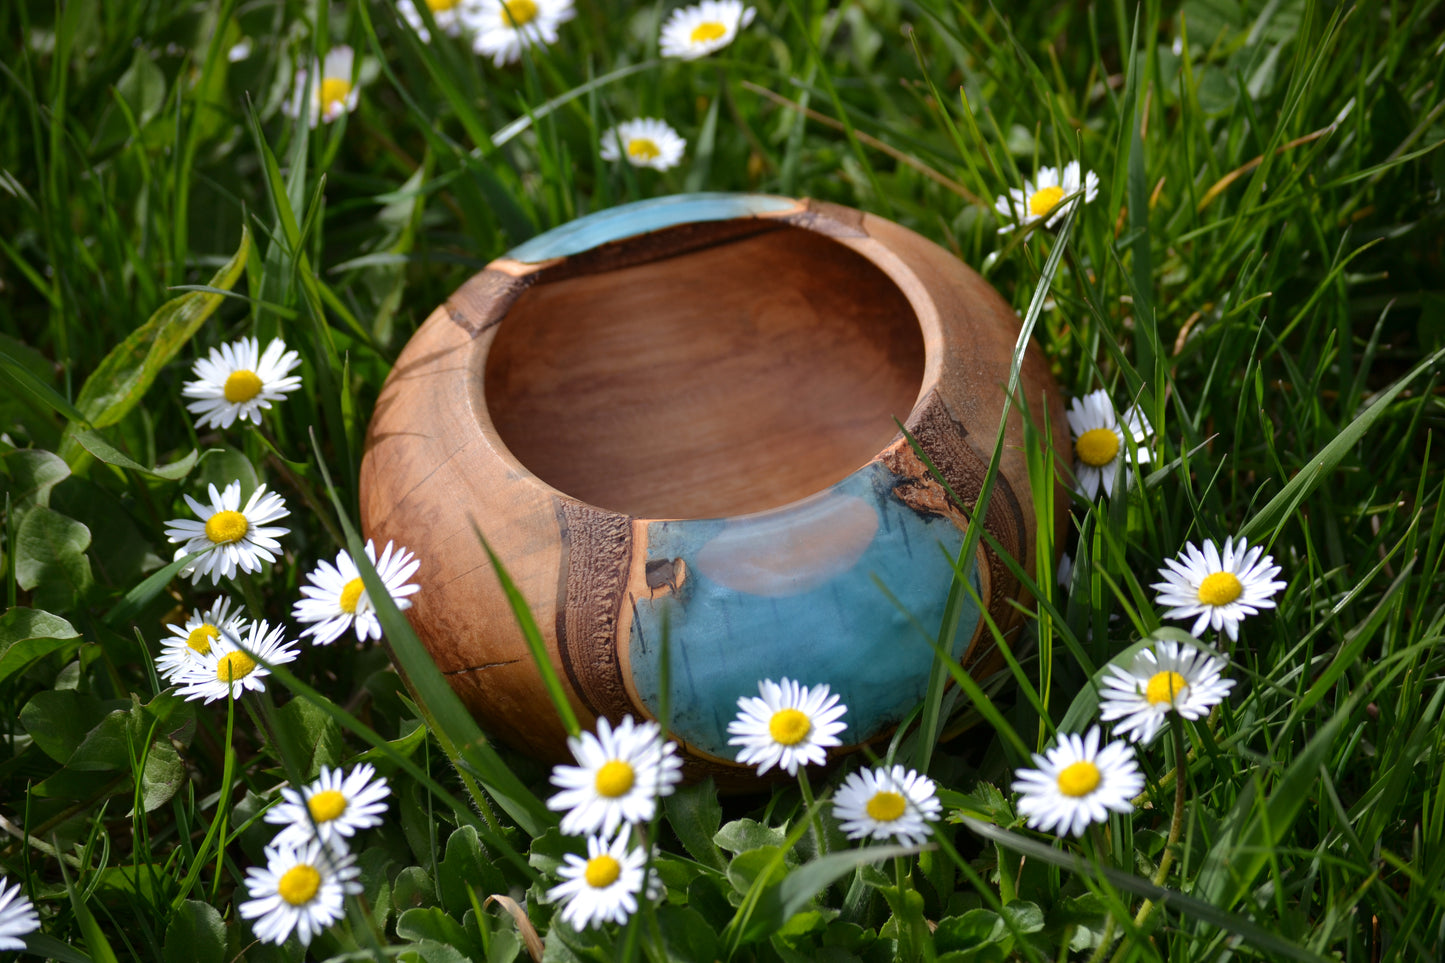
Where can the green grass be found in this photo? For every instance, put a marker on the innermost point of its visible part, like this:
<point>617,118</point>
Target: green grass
<point>1260,271</point>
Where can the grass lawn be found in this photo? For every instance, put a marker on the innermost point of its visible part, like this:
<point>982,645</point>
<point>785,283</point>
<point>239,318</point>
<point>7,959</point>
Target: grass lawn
<point>1247,270</point>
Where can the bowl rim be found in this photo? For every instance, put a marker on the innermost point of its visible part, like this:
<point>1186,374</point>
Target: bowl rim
<point>531,263</point>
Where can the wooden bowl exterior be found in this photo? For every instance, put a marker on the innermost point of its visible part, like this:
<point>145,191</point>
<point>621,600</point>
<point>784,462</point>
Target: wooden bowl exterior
<point>745,593</point>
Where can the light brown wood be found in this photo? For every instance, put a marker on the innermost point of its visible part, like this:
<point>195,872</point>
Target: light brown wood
<point>726,376</point>
<point>731,379</point>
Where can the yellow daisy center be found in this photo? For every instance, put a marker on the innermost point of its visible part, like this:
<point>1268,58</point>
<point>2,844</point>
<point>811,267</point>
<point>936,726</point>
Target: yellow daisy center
<point>234,666</point>
<point>788,727</point>
<point>518,13</point>
<point>707,32</point>
<point>1079,779</point>
<point>602,871</point>
<point>351,595</point>
<point>298,885</point>
<point>643,148</point>
<point>201,636</point>
<point>1097,447</point>
<point>226,527</point>
<point>886,806</point>
<point>1164,687</point>
<point>614,778</point>
<point>1045,199</point>
<point>244,385</point>
<point>334,91</point>
<point>326,805</point>
<point>1221,588</point>
<point>441,6</point>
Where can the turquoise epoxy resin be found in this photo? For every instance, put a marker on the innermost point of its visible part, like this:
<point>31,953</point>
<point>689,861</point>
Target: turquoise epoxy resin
<point>642,217</point>
<point>796,592</point>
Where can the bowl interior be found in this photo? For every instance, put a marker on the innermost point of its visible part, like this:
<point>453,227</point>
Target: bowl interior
<point>739,374</point>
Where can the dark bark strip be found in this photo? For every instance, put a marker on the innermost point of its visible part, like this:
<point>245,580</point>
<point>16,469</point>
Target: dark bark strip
<point>596,558</point>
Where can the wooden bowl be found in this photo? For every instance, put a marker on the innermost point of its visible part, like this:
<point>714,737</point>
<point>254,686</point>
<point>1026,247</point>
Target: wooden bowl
<point>677,416</point>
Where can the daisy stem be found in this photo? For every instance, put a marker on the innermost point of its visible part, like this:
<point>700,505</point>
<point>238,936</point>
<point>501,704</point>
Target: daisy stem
<point>907,933</point>
<point>819,840</point>
<point>223,805</point>
<point>1104,941</point>
<point>1176,827</point>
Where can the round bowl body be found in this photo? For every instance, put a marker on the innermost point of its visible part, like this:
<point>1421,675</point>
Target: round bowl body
<point>674,422</point>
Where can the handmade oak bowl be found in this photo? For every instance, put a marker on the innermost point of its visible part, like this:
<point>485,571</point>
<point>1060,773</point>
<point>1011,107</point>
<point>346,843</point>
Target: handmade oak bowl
<point>676,420</point>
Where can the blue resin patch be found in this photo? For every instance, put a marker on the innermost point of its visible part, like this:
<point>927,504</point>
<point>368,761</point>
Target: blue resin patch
<point>642,217</point>
<point>792,592</point>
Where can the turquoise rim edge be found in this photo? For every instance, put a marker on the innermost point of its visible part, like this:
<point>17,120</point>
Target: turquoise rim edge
<point>643,217</point>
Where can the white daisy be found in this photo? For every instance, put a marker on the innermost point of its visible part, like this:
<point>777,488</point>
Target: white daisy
<point>1099,446</point>
<point>230,668</point>
<point>604,886</point>
<point>332,808</point>
<point>502,29</point>
<point>645,142</point>
<point>193,640</point>
<point>693,32</point>
<point>790,726</point>
<point>238,381</point>
<point>1040,198</point>
<point>1064,573</point>
<point>336,599</point>
<point>878,803</point>
<point>302,888</point>
<point>623,771</point>
<point>448,15</point>
<point>17,916</point>
<point>232,537</point>
<point>332,93</point>
<point>1169,677</point>
<point>1077,783</point>
<point>1220,587</point>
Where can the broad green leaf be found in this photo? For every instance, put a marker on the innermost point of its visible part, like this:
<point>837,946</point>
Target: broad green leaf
<point>125,548</point>
<point>431,923</point>
<point>312,737</point>
<point>162,776</point>
<point>59,719</point>
<point>430,951</point>
<point>763,867</point>
<point>686,935</point>
<point>30,634</point>
<point>196,934</point>
<point>33,472</point>
<point>412,888</point>
<point>744,834</point>
<point>466,865</point>
<point>50,558</point>
<point>103,450</point>
<point>121,379</point>
<point>107,746</point>
<point>695,814</point>
<point>970,931</point>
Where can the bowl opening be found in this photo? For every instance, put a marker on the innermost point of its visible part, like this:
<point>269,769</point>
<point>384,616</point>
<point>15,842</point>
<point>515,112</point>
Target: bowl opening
<point>728,378</point>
